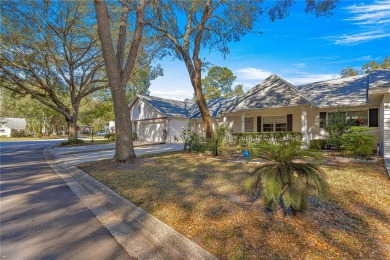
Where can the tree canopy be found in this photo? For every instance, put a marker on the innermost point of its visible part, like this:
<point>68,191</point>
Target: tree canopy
<point>366,68</point>
<point>219,82</point>
<point>50,51</point>
<point>188,26</point>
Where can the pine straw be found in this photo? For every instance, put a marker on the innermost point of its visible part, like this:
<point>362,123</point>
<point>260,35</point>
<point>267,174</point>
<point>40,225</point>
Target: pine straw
<point>205,200</point>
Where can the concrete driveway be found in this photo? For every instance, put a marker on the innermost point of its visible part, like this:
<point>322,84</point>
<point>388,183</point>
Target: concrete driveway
<point>80,154</point>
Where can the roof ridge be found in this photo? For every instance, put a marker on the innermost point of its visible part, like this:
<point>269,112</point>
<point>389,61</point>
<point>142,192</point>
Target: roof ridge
<point>328,80</point>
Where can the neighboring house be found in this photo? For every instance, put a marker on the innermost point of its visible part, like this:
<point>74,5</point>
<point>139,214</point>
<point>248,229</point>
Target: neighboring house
<point>7,124</point>
<point>276,105</point>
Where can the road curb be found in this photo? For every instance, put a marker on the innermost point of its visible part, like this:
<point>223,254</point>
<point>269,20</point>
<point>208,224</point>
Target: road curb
<point>141,235</point>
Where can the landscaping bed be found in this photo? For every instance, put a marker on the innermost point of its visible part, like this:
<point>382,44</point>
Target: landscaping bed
<point>205,200</point>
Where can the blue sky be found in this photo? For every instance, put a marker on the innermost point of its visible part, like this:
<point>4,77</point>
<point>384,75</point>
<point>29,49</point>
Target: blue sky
<point>301,48</point>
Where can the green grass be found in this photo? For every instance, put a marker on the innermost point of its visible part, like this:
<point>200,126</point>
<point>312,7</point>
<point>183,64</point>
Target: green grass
<point>205,200</point>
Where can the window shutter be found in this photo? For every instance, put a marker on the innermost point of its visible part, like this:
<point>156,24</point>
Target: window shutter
<point>289,123</point>
<point>259,124</point>
<point>322,119</point>
<point>373,117</point>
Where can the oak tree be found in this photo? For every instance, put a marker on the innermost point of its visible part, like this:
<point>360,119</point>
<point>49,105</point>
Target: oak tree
<point>49,50</point>
<point>188,26</point>
<point>120,66</point>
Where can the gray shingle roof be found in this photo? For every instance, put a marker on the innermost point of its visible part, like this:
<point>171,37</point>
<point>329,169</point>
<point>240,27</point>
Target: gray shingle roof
<point>169,107</point>
<point>273,92</point>
<point>379,78</point>
<point>338,92</point>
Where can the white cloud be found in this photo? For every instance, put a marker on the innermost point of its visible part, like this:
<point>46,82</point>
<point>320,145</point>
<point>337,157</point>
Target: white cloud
<point>372,21</point>
<point>252,74</point>
<point>300,65</point>
<point>363,58</point>
<point>373,13</point>
<point>359,37</point>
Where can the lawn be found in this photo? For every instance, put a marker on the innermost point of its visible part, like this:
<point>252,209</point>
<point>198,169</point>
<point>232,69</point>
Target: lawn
<point>205,200</point>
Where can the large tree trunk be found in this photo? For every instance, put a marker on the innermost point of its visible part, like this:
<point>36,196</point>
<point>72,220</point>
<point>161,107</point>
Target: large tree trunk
<point>124,151</point>
<point>117,76</point>
<point>201,101</point>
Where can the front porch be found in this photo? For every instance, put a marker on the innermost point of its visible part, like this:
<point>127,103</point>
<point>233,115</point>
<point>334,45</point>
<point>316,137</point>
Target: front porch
<point>293,119</point>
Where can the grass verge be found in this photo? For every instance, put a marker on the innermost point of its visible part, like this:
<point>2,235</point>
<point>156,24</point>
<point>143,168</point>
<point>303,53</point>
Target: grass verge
<point>204,200</point>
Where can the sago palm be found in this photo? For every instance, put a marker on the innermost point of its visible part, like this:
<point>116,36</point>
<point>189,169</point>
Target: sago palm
<point>286,178</point>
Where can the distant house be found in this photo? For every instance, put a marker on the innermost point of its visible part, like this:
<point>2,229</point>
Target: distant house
<point>7,124</point>
<point>276,105</point>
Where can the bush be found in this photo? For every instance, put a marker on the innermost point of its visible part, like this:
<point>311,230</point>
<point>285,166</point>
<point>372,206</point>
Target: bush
<point>72,142</point>
<point>193,141</point>
<point>336,127</point>
<point>245,139</point>
<point>134,136</point>
<point>219,139</point>
<point>110,136</point>
<point>317,144</point>
<point>358,142</point>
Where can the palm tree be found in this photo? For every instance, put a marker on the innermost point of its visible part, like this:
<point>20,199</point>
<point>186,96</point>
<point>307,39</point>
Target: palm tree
<point>285,180</point>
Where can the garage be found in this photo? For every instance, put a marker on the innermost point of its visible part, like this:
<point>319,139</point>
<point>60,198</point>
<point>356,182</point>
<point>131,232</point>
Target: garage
<point>152,131</point>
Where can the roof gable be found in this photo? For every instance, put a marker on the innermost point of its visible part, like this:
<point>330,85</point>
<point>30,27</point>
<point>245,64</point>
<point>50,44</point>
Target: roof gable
<point>271,93</point>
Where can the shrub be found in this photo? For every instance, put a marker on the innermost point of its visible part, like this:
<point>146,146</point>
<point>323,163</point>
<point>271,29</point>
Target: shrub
<point>317,144</point>
<point>134,136</point>
<point>250,139</point>
<point>358,142</point>
<point>219,139</point>
<point>72,141</point>
<point>337,125</point>
<point>17,133</point>
<point>287,177</point>
<point>110,136</point>
<point>193,141</point>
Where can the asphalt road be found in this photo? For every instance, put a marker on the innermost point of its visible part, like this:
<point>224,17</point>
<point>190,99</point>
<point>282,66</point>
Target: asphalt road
<point>41,218</point>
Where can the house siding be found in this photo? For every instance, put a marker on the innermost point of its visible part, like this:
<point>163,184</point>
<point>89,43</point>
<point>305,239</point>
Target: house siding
<point>141,111</point>
<point>385,112</point>
<point>176,128</point>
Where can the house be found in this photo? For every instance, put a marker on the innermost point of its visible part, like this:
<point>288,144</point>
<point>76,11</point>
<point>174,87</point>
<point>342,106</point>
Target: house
<point>7,124</point>
<point>276,105</point>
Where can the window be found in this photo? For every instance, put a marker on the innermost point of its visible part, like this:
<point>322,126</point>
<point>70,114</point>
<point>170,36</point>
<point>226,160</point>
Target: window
<point>280,123</point>
<point>322,119</point>
<point>249,124</point>
<point>275,124</point>
<point>354,118</point>
<point>268,124</point>
<point>357,118</point>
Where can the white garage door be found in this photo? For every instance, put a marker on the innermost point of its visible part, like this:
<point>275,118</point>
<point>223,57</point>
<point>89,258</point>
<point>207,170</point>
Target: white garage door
<point>153,132</point>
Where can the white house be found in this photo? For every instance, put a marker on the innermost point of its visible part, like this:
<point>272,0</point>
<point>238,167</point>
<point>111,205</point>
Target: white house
<point>7,124</point>
<point>276,105</point>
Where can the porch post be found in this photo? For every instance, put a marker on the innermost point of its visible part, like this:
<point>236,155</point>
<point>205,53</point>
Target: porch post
<point>304,127</point>
<point>243,123</point>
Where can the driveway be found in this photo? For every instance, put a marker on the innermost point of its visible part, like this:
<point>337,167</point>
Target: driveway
<point>41,218</point>
<point>80,154</point>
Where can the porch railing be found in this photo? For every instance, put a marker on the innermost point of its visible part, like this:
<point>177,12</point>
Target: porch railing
<point>273,137</point>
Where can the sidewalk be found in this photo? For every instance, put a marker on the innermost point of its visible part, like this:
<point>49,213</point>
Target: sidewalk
<point>139,233</point>
<point>80,154</point>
